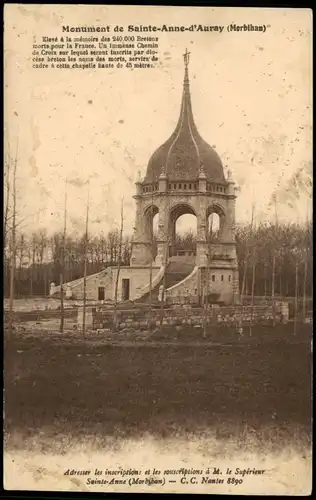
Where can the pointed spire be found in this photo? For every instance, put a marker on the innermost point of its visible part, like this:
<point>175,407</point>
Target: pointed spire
<point>185,130</point>
<point>186,57</point>
<point>182,152</point>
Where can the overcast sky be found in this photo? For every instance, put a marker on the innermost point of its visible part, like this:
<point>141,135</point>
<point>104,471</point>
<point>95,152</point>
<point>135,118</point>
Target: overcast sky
<point>251,96</point>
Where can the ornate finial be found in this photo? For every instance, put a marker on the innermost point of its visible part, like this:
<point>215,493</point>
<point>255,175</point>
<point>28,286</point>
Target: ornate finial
<point>139,176</point>
<point>229,175</point>
<point>202,171</point>
<point>163,171</point>
<point>186,57</point>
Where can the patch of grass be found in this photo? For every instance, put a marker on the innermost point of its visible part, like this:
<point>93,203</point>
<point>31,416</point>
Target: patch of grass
<point>66,389</point>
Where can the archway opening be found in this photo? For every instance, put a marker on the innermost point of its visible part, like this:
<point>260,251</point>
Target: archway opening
<point>215,217</point>
<point>213,227</point>
<point>155,227</point>
<point>183,229</point>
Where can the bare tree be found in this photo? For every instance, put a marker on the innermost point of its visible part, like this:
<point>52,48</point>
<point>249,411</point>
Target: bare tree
<point>20,251</point>
<point>207,273</point>
<point>13,245</point>
<point>43,267</point>
<point>119,264</point>
<point>273,258</point>
<point>306,252</point>
<point>62,266</point>
<point>166,258</point>
<point>296,297</point>
<point>85,264</point>
<point>253,267</point>
<point>243,285</point>
<point>151,248</point>
<point>249,243</point>
<point>7,196</point>
<point>304,286</point>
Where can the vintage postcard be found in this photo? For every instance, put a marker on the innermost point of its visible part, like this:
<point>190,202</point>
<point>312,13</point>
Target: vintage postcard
<point>157,249</point>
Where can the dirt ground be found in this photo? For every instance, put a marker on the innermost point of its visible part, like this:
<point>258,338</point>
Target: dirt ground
<point>103,386</point>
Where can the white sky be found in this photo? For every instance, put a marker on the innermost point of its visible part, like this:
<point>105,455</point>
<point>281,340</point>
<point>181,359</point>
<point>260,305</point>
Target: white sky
<point>251,96</point>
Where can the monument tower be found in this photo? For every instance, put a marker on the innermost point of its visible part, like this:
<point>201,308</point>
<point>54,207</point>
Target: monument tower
<point>186,176</point>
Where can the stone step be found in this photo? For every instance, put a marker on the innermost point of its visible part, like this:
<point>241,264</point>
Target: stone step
<point>176,272</point>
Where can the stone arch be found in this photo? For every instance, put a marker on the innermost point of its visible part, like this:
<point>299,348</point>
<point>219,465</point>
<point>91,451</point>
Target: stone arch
<point>215,226</point>
<point>181,208</point>
<point>150,211</point>
<point>149,214</point>
<point>176,211</point>
<point>215,208</point>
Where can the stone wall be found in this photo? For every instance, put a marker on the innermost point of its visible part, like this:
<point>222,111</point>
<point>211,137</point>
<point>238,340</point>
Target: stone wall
<point>220,282</point>
<point>186,315</point>
<point>74,289</point>
<point>191,289</point>
<point>93,282</point>
<point>138,277</point>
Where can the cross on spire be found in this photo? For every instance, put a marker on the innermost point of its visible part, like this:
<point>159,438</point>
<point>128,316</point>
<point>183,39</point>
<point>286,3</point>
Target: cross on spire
<point>186,57</point>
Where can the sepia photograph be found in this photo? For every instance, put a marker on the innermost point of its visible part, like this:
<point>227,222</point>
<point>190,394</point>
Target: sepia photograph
<point>158,265</point>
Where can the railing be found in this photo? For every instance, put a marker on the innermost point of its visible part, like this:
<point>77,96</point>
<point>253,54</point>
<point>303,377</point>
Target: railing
<point>185,186</point>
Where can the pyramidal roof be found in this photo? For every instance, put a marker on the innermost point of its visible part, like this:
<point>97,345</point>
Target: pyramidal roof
<point>185,153</point>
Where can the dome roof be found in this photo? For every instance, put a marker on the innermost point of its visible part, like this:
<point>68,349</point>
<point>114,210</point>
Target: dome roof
<point>183,154</point>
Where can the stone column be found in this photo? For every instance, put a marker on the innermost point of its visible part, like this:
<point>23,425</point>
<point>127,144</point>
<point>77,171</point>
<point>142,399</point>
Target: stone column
<point>162,237</point>
<point>201,241</point>
<point>141,244</point>
<point>228,229</point>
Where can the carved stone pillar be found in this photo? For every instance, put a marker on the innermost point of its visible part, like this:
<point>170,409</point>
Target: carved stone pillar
<point>162,237</point>
<point>201,243</point>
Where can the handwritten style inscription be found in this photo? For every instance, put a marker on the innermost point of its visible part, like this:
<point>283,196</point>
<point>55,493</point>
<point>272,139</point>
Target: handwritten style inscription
<point>162,477</point>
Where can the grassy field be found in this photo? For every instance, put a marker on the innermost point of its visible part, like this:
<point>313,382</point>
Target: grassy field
<point>72,388</point>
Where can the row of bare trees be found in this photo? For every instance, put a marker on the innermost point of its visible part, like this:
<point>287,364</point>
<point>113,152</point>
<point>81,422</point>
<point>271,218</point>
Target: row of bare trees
<point>39,258</point>
<point>275,253</point>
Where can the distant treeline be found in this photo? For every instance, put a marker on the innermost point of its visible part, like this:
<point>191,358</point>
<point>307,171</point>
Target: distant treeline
<point>39,257</point>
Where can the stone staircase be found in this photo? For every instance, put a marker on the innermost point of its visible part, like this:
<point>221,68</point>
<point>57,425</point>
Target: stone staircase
<point>176,271</point>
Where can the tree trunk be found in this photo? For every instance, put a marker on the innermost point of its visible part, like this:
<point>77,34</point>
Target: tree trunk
<point>163,298</point>
<point>207,273</point>
<point>243,286</point>
<point>13,246</point>
<point>151,256</point>
<point>252,294</point>
<point>296,297</point>
<point>273,287</point>
<point>62,311</point>
<point>46,294</point>
<point>85,267</point>
<point>7,199</point>
<point>304,288</point>
<point>119,265</point>
<point>265,280</point>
